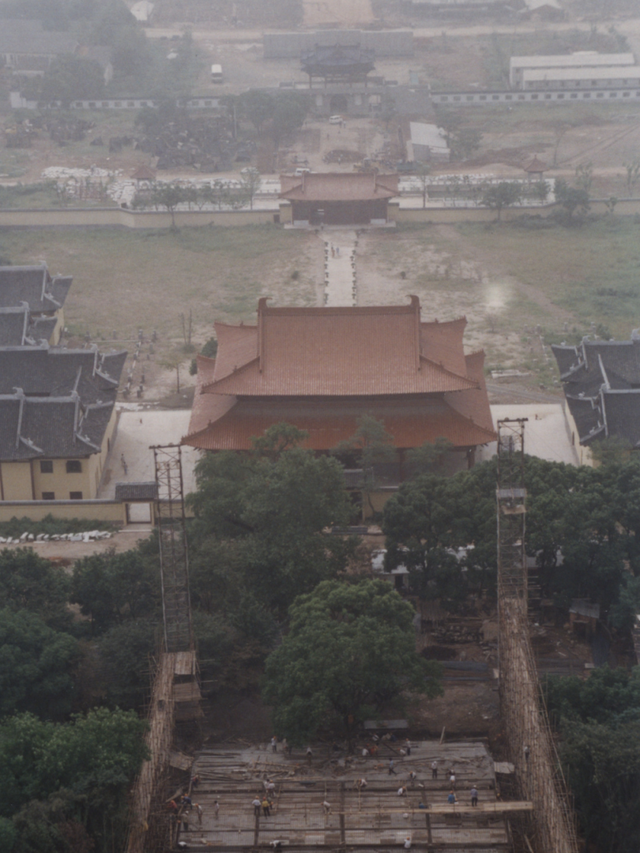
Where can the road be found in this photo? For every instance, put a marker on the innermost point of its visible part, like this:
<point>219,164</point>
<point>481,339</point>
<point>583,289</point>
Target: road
<point>629,28</point>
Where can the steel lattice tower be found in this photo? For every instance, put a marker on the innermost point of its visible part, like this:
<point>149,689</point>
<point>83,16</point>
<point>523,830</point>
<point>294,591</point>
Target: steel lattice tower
<point>174,557</point>
<point>531,746</point>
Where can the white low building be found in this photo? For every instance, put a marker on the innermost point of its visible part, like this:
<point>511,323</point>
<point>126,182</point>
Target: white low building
<point>429,143</point>
<point>611,77</point>
<point>589,59</point>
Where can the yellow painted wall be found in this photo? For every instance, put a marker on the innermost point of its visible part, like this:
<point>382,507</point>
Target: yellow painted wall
<point>378,499</point>
<point>62,484</point>
<point>16,481</point>
<point>228,218</point>
<point>286,212</point>
<point>54,340</point>
<point>132,219</point>
<point>585,456</point>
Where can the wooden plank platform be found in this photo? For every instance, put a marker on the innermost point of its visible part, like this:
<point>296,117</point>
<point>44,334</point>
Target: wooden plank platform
<point>364,819</point>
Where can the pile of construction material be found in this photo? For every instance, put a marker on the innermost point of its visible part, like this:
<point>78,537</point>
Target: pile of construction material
<point>86,536</point>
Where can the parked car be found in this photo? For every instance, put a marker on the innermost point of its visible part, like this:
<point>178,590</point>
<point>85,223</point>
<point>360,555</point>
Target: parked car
<point>335,119</point>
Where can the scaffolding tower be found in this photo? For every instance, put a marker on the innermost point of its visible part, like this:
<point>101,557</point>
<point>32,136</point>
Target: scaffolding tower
<point>174,557</point>
<point>175,693</point>
<point>530,742</point>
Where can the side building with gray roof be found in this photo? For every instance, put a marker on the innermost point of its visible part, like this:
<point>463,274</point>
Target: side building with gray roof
<point>57,419</point>
<point>43,295</point>
<point>601,381</point>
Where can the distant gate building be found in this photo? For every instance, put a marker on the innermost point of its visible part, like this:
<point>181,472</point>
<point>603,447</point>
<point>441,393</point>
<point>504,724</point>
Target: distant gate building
<point>337,198</point>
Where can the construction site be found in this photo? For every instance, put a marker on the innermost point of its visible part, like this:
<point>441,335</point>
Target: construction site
<point>392,791</point>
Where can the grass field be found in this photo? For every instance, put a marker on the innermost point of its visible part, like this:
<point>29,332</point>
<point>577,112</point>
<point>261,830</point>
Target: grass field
<point>517,286</point>
<point>124,280</point>
<point>592,272</point>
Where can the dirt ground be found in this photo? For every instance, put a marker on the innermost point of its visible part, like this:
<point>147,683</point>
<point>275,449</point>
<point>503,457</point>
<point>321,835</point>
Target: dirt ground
<point>347,13</point>
<point>453,280</point>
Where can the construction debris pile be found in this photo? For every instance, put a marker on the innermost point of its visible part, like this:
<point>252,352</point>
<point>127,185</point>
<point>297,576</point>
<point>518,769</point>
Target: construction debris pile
<point>86,536</point>
<point>204,143</point>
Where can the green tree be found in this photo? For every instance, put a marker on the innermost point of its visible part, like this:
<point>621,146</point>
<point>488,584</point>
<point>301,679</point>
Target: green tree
<point>624,611</point>
<point>257,106</point>
<point>417,525</point>
<point>114,587</point>
<point>29,582</point>
<point>632,170</point>
<point>606,697</point>
<point>422,173</point>
<point>350,652</point>
<point>79,771</point>
<point>168,196</point>
<point>289,112</point>
<point>584,176</point>
<point>250,182</point>
<point>8,835</point>
<point>571,198</point>
<point>602,765</point>
<point>124,652</point>
<point>504,194</point>
<point>71,78</point>
<point>540,191</point>
<point>599,722</point>
<point>36,665</point>
<point>370,448</point>
<point>259,522</point>
<point>466,142</point>
<point>209,349</point>
<point>429,457</point>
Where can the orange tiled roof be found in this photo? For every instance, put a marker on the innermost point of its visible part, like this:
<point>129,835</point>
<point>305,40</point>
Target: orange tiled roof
<point>340,352</point>
<point>345,186</point>
<point>536,166</point>
<point>474,404</point>
<point>225,423</point>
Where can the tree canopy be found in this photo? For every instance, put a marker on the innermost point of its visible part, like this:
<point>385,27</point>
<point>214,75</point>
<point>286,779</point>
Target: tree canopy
<point>259,521</point>
<point>503,194</point>
<point>55,775</point>
<point>349,652</point>
<point>36,665</point>
<point>599,720</point>
<point>29,582</point>
<point>113,587</point>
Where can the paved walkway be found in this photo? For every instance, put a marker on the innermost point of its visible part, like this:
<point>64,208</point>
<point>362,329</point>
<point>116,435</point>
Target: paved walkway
<point>137,431</point>
<point>339,267</point>
<point>547,433</point>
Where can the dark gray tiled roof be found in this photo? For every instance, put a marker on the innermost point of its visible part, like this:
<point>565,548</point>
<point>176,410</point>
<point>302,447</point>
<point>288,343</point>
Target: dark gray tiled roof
<point>623,415</point>
<point>588,418</point>
<point>602,386</point>
<point>18,328</point>
<point>33,285</point>
<point>56,371</point>
<point>42,328</point>
<point>137,491</point>
<point>50,427</point>
<point>13,325</point>
<point>55,403</point>
<point>567,357</point>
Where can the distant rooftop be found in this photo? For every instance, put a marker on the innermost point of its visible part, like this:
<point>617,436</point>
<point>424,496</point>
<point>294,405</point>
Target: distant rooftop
<point>572,60</point>
<point>35,286</point>
<point>579,73</point>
